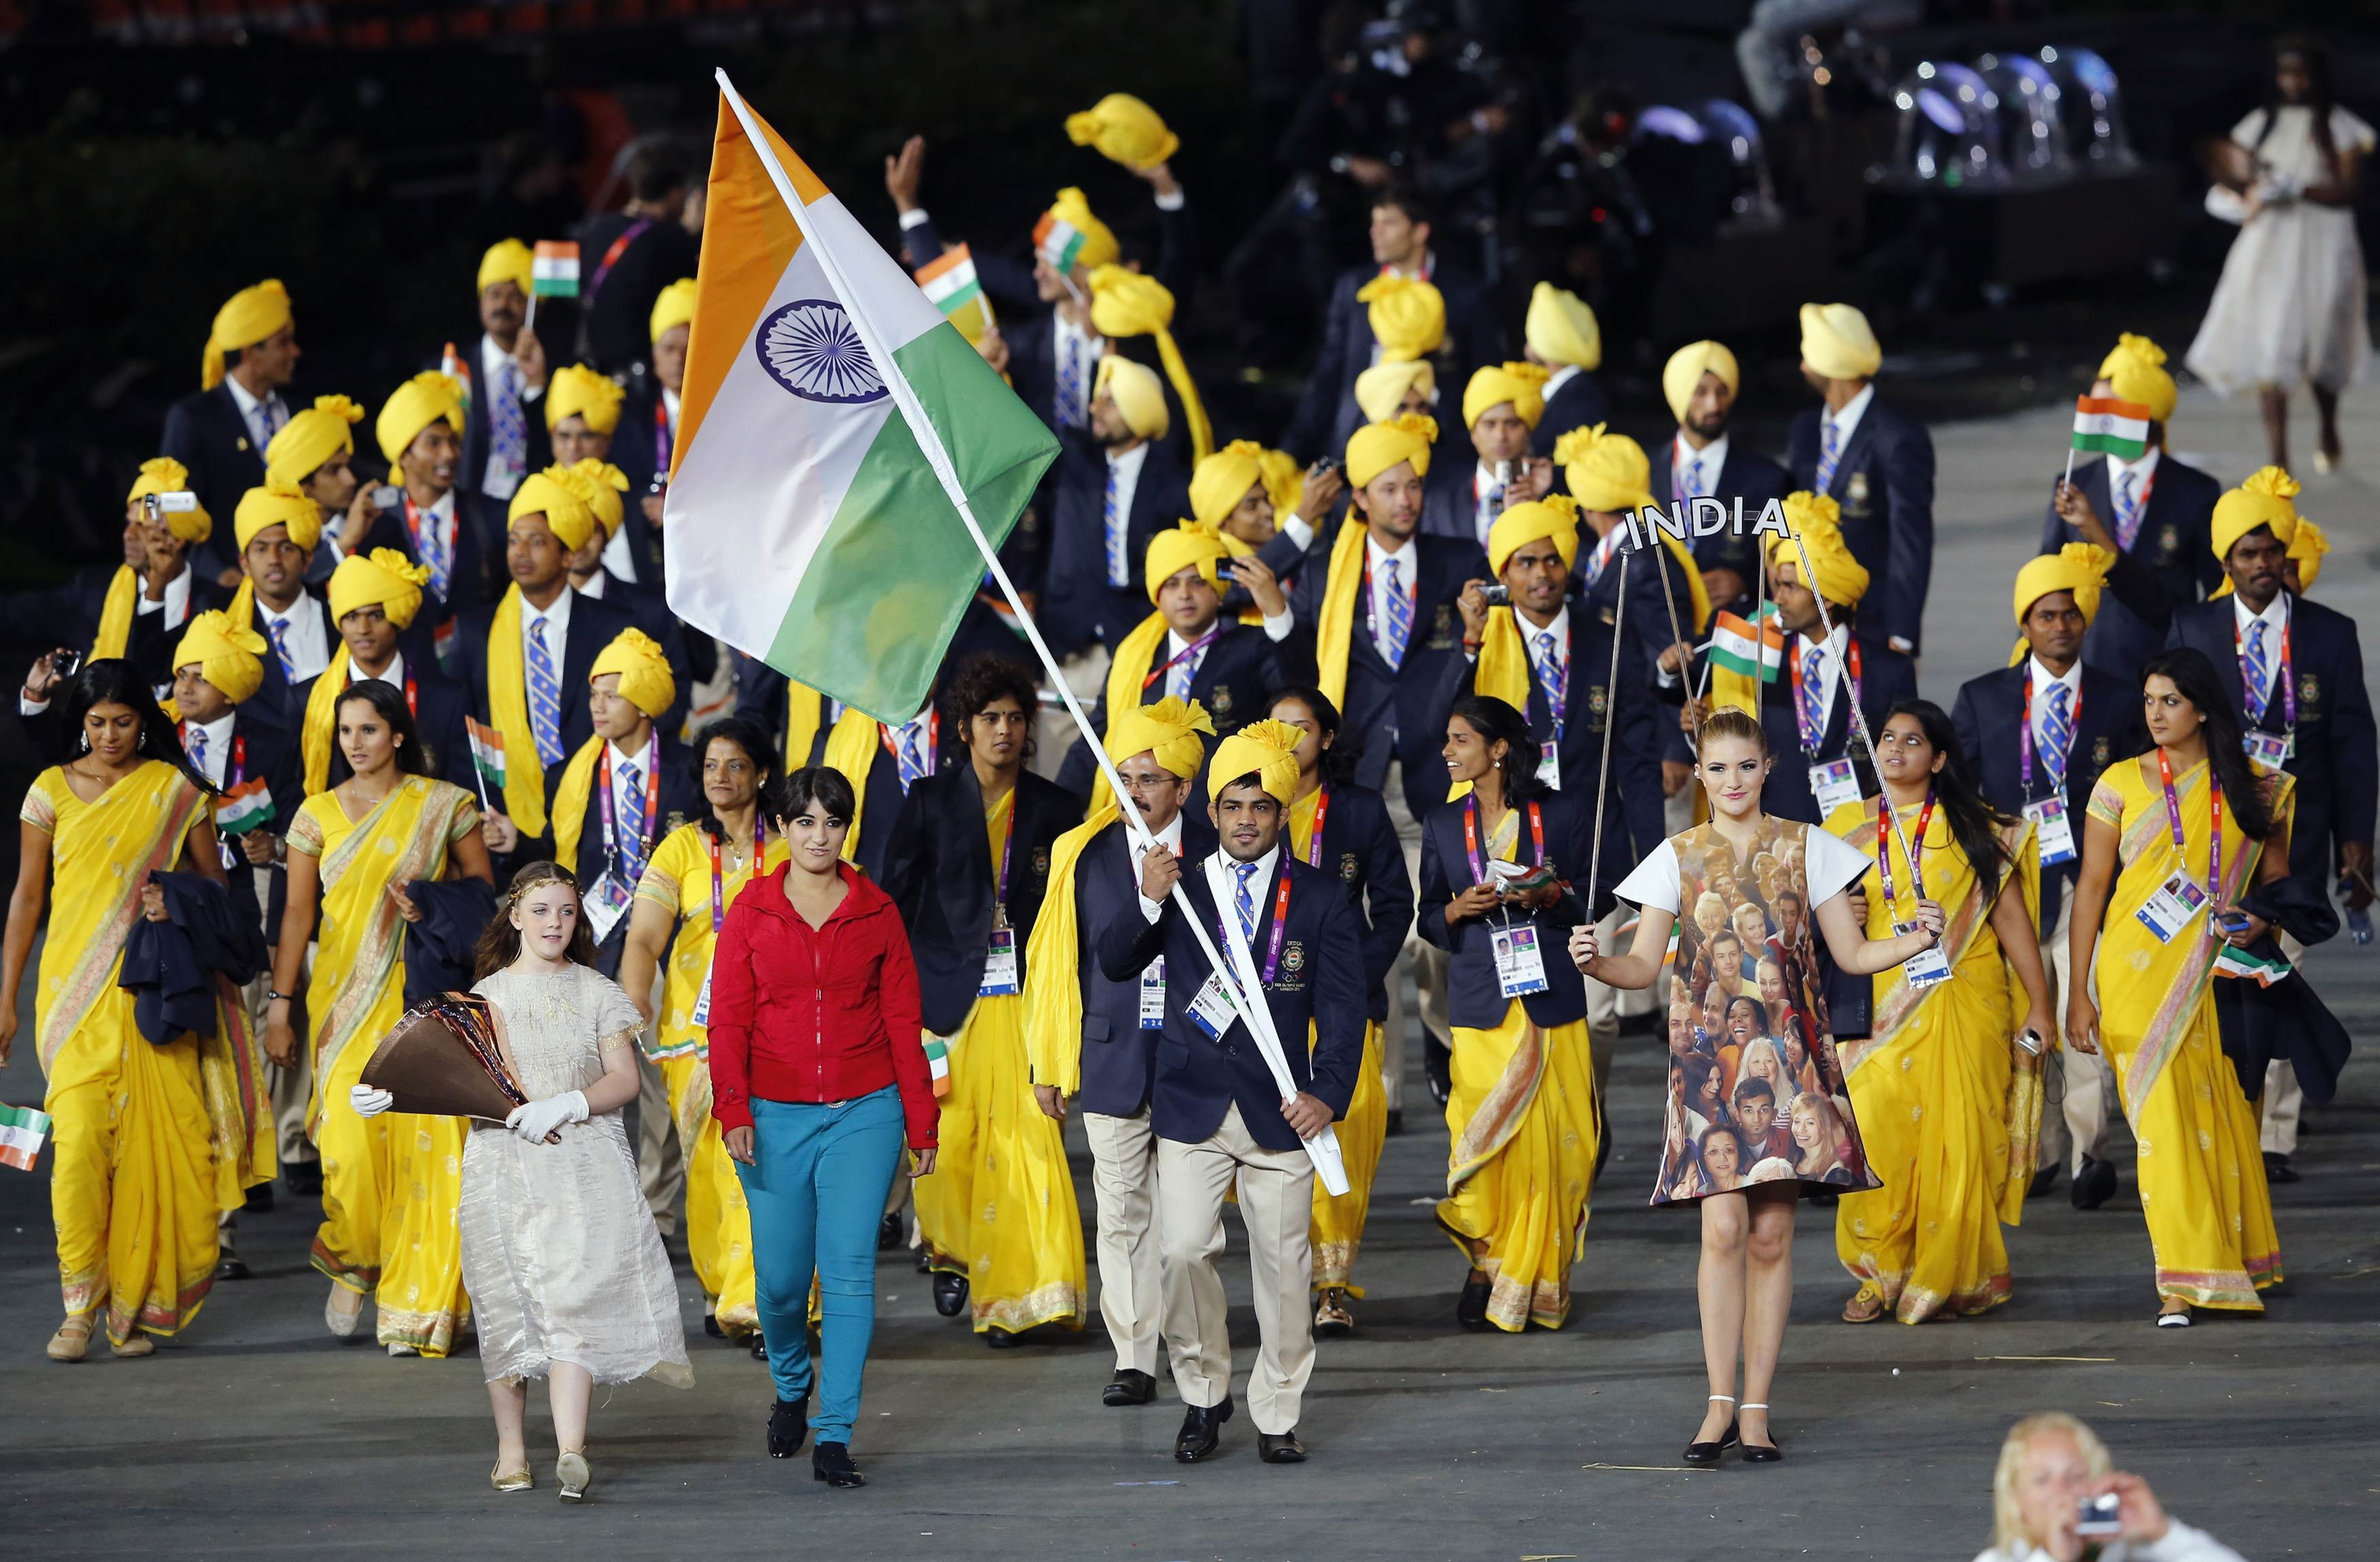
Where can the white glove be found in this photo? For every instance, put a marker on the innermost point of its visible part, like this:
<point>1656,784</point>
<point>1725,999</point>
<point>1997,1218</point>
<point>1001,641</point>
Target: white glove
<point>538,1119</point>
<point>367,1102</point>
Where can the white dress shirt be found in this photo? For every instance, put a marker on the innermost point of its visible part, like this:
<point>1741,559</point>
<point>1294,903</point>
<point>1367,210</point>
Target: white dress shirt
<point>2275,619</point>
<point>1847,421</point>
<point>393,674</point>
<point>594,586</point>
<point>556,619</point>
<point>1562,375</point>
<point>1830,671</point>
<point>1222,879</point>
<point>177,604</point>
<point>1408,558</point>
<point>308,641</point>
<point>216,762</point>
<point>1713,457</point>
<point>1170,837</point>
<point>2041,678</point>
<point>270,404</point>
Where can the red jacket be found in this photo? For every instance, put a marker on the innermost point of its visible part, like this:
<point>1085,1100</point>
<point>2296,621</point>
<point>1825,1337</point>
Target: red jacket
<point>802,1014</point>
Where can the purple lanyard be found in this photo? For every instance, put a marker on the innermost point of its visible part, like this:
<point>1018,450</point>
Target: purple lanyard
<point>1280,927</point>
<point>652,797</point>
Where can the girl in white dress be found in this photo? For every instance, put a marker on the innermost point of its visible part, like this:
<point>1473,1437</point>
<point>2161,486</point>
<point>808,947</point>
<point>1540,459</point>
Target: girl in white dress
<point>2291,305</point>
<point>563,1266</point>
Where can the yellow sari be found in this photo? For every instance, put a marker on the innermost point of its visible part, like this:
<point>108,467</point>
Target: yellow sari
<point>1000,1206</point>
<point>1525,1125</point>
<point>391,1184</point>
<point>718,1219</point>
<point>1337,1232</point>
<point>133,1190</point>
<point>2201,1169</point>
<point>1948,1106</point>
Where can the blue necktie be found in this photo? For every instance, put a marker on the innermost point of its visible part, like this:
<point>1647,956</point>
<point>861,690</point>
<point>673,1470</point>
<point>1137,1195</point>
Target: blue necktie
<point>1112,518</point>
<point>544,698</point>
<point>1694,478</point>
<point>2058,736</point>
<point>508,431</point>
<point>265,422</point>
<point>1829,454</point>
<point>430,547</point>
<point>1070,383</point>
<point>632,815</point>
<point>1244,901</point>
<point>1814,726</point>
<point>198,748</point>
<point>912,762</point>
<point>1184,673</point>
<point>2257,672</point>
<point>280,628</point>
<point>1400,620</point>
<point>1553,676</point>
<point>2128,512</point>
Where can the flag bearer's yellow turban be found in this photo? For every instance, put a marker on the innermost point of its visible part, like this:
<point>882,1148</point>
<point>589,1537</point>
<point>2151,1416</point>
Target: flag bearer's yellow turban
<point>1169,730</point>
<point>1268,748</point>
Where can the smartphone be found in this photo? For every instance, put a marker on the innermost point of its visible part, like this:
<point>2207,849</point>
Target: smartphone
<point>2232,920</point>
<point>2100,1516</point>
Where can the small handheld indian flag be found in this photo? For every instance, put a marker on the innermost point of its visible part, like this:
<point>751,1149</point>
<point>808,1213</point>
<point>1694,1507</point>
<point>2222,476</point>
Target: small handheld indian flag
<point>2250,965</point>
<point>487,757</point>
<point>1741,649</point>
<point>452,365</point>
<point>554,269</point>
<point>22,1132</point>
<point>244,808</point>
<point>951,285</point>
<point>1058,242</point>
<point>938,1060</point>
<point>2108,426</point>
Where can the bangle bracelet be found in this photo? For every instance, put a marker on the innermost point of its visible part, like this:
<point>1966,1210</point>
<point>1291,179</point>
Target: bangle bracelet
<point>271,997</point>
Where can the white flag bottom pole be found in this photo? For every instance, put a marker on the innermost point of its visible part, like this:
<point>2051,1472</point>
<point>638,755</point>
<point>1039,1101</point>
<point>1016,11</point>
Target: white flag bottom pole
<point>1323,1148</point>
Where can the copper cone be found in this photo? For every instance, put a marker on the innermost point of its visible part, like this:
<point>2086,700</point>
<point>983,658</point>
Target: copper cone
<point>431,1063</point>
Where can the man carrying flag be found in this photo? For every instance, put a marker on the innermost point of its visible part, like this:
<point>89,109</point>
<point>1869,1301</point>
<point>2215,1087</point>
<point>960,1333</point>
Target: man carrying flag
<point>2149,511</point>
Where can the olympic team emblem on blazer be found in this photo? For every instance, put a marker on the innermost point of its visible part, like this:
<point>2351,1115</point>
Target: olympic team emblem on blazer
<point>2309,689</point>
<point>1293,966</point>
<point>1219,700</point>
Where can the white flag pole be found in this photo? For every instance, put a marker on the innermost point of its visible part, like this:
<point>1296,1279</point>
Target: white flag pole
<point>1323,1148</point>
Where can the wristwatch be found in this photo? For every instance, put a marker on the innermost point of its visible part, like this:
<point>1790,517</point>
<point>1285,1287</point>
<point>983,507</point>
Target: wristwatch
<point>271,997</point>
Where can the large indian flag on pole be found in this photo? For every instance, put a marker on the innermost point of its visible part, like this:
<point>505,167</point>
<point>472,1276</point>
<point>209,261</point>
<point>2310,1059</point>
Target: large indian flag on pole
<point>803,523</point>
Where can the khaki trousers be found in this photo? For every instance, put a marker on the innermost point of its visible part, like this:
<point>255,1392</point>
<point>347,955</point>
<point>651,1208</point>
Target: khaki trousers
<point>1124,1179</point>
<point>1276,1188</point>
<point>1427,962</point>
<point>2284,1100</point>
<point>660,1159</point>
<point>2077,1126</point>
<point>1603,1003</point>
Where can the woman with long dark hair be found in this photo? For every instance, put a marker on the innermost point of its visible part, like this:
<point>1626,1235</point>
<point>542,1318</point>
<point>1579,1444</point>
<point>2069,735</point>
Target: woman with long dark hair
<point>2172,842</point>
<point>388,1198</point>
<point>133,1193</point>
<point>816,1072</point>
<point>2290,305</point>
<point>1523,1112</point>
<point>562,1258</point>
<point>1930,1083</point>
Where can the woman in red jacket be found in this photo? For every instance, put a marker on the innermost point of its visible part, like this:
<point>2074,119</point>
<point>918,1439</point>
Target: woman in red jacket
<point>815,1063</point>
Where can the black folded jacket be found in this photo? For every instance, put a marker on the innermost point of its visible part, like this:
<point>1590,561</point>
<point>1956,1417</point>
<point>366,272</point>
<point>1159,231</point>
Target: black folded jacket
<point>440,947</point>
<point>169,967</point>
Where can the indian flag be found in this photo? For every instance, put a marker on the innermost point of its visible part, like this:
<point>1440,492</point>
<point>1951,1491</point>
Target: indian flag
<point>1752,652</point>
<point>806,524</point>
<point>937,1062</point>
<point>554,269</point>
<point>451,364</point>
<point>487,753</point>
<point>2109,427</point>
<point>951,283</point>
<point>22,1130</point>
<point>1059,243</point>
<point>2249,966</point>
<point>244,808</point>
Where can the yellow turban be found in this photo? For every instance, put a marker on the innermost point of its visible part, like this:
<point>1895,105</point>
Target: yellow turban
<point>580,389</point>
<point>602,485</point>
<point>1685,370</point>
<point>1268,748</point>
<point>507,259</point>
<point>2307,550</point>
<point>2136,368</point>
<point>1125,130</point>
<point>386,579</point>
<point>1816,519</point>
<point>230,654</point>
<point>559,496</point>
<point>1555,516</point>
<point>1523,384</point>
<point>1192,542</point>
<point>1127,304</point>
<point>1375,447</point>
<point>2079,567</point>
<point>2262,501</point>
<point>645,679</point>
<point>1407,315</point>
<point>277,504</point>
<point>311,437</point>
<point>1382,388</point>
<point>1837,342</point>
<point>1561,329</point>
<point>1284,483</point>
<point>416,405</point>
<point>1170,729</point>
<point>162,474</point>
<point>1221,480</point>
<point>674,307</point>
<point>251,315</point>
<point>1098,244</point>
<point>1605,471</point>
<point>1139,394</point>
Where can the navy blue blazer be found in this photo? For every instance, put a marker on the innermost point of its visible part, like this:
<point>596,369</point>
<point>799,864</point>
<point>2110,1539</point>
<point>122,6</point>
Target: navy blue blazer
<point>1318,982</point>
<point>1360,846</point>
<point>593,625</point>
<point>1885,483</point>
<point>1400,715</point>
<point>440,705</point>
<point>2336,763</point>
<point>1236,683</point>
<point>1476,1000</point>
<point>1327,412</point>
<point>1077,605</point>
<point>205,432</point>
<point>1989,716</point>
<point>1450,500</point>
<point>269,739</point>
<point>2170,564</point>
<point>149,647</point>
<point>939,870</point>
<point>1886,677</point>
<point>538,443</point>
<point>61,616</point>
<point>1580,403</point>
<point>1119,1057</point>
<point>1746,475</point>
<point>478,574</point>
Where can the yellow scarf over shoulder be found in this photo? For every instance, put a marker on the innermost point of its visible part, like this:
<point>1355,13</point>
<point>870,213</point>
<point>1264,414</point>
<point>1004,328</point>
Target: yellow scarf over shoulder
<point>852,746</point>
<point>508,704</point>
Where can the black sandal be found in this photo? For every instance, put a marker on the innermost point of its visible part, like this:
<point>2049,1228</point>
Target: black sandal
<point>1763,1453</point>
<point>1706,1454</point>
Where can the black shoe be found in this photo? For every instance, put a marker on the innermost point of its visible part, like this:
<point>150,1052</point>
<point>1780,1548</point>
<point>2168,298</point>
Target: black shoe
<point>2095,1183</point>
<point>258,1198</point>
<point>711,1326</point>
<point>230,1270</point>
<point>304,1178</point>
<point>2278,1169</point>
<point>950,1295</point>
<point>757,1345</point>
<point>831,1463</point>
<point>1129,1387</point>
<point>1202,1432</point>
<point>1437,1067</point>
<point>1707,1453</point>
<point>1001,1339</point>
<point>1396,1122</point>
<point>888,1233</point>
<point>789,1427</point>
<point>1281,1448</point>
<point>924,1261</point>
<point>2045,1181</point>
<point>1471,1307</point>
<point>1763,1453</point>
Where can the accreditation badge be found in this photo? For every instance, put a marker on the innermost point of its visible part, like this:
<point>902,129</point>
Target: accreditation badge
<point>1520,963</point>
<point>2052,829</point>
<point>1211,1011</point>
<point>2170,909</point>
<point>1000,964</point>
<point>2272,750</point>
<point>1152,996</point>
<point>1833,782</point>
<point>1926,970</point>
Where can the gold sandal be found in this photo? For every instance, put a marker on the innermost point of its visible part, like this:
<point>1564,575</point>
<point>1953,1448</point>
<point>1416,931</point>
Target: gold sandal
<point>506,1480</point>
<point>71,1341</point>
<point>135,1345</point>
<point>1865,1306</point>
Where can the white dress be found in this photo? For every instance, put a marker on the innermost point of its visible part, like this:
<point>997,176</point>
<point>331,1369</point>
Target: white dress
<point>560,1253</point>
<point>2291,305</point>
